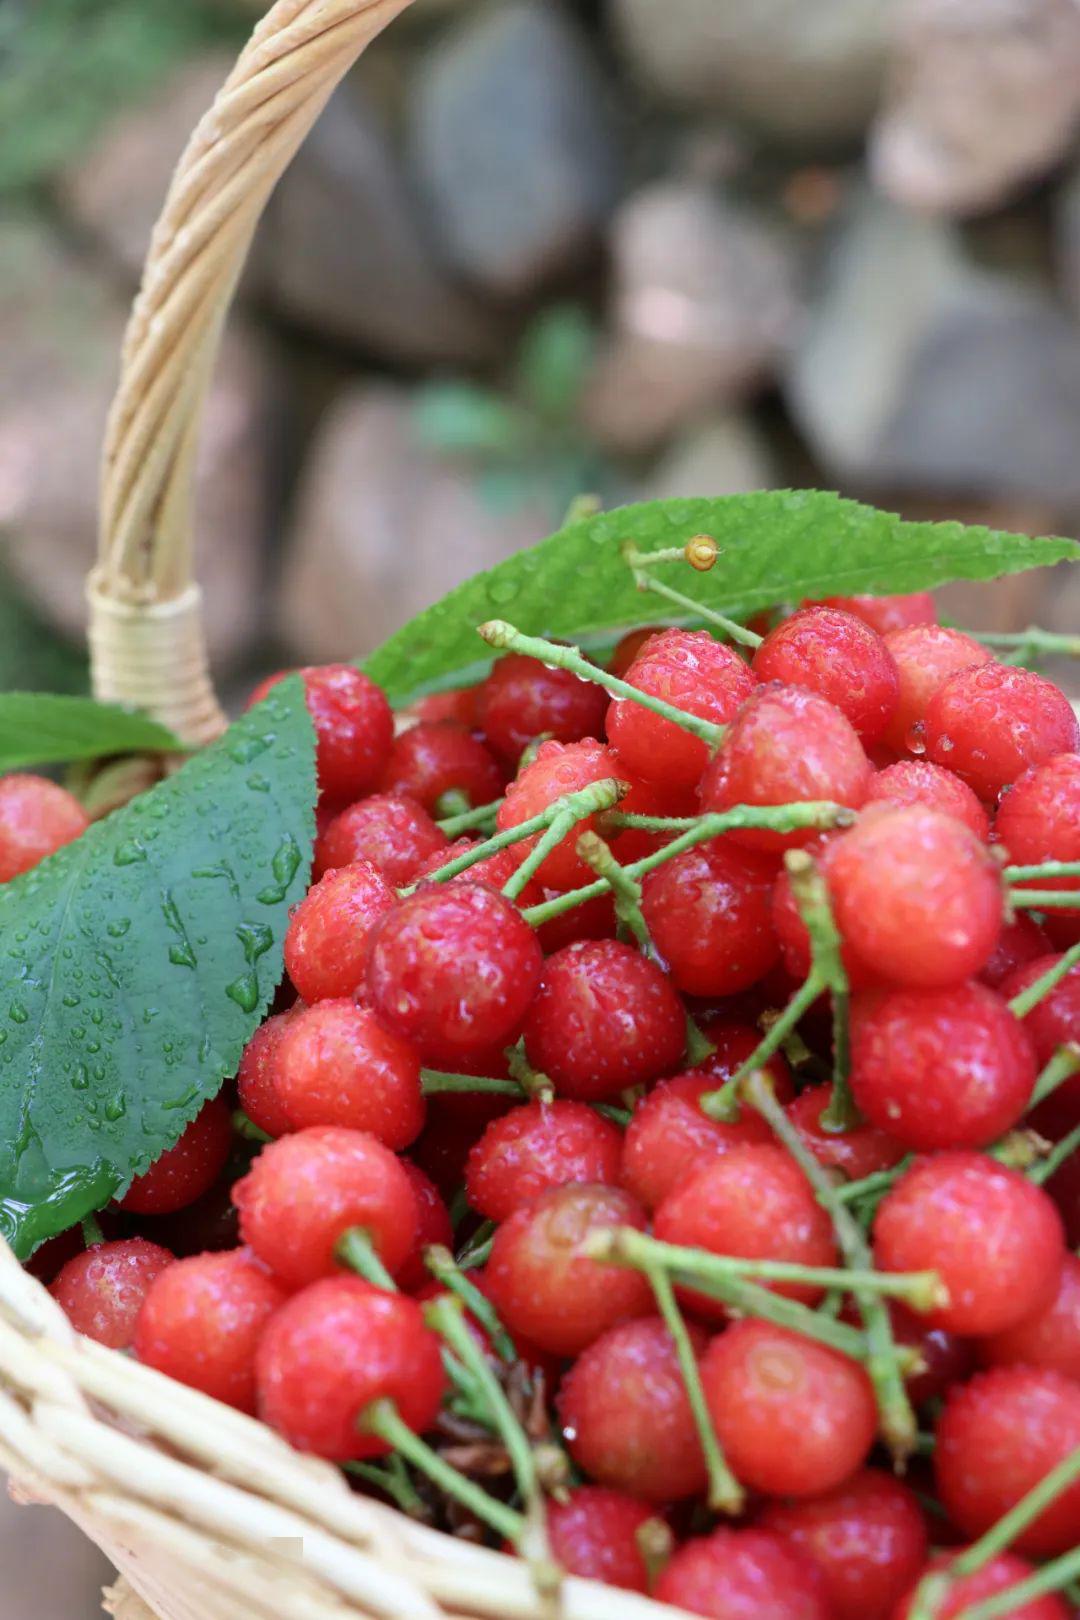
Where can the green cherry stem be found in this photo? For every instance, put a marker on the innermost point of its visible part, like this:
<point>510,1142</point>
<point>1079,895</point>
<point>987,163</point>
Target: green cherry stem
<point>466,820</point>
<point>395,1482</point>
<point>725,1494</point>
<point>1032,640</point>
<point>883,1364</point>
<point>921,1290</point>
<point>1044,869</point>
<point>92,1234</point>
<point>878,1182</point>
<point>433,1081</point>
<point>1022,1004</point>
<point>730,627</point>
<point>1044,899</point>
<point>476,1251</point>
<point>445,1269</point>
<point>355,1249</point>
<point>625,889</point>
<point>820,813</point>
<point>497,633</point>
<point>601,795</point>
<point>1064,1063</point>
<point>723,1104</point>
<point>383,1418</point>
<point>1041,1172</point>
<point>1052,1577</point>
<point>1001,1535</point>
<point>247,1130</point>
<point>827,966</point>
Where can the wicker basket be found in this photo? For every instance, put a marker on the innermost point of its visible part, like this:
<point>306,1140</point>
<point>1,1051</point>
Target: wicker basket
<point>207,1514</point>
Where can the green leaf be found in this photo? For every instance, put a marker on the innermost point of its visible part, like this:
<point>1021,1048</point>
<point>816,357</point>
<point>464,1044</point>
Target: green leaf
<point>42,728</point>
<point>555,355</point>
<point>459,418</point>
<point>137,962</point>
<point>776,546</point>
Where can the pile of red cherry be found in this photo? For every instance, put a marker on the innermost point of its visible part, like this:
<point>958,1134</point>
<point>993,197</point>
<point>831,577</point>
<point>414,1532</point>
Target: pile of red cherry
<point>753,1138</point>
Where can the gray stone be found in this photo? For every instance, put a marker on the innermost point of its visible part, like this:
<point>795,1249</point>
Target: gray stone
<point>116,189</point>
<point>346,252</point>
<point>723,455</point>
<point>64,325</point>
<point>382,527</point>
<point>513,144</point>
<point>800,70</point>
<point>705,303</point>
<point>918,369</point>
<point>984,96</point>
<point>1068,239</point>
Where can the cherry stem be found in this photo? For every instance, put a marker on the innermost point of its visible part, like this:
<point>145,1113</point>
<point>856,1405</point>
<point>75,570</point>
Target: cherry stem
<point>1052,1577</point>
<point>723,1104</point>
<point>1001,1535</point>
<point>730,627</point>
<point>826,965</point>
<point>725,1494</point>
<point>617,1115</point>
<point>476,1251</point>
<point>1022,1004</point>
<point>497,633</point>
<point>1043,869</point>
<point>921,1290</point>
<point>879,1181</point>
<point>600,795</point>
<point>1033,640</point>
<point>91,1231</point>
<point>382,1418</point>
<point>247,1130</point>
<point>450,803</point>
<point>1041,1172</point>
<point>883,1364</point>
<point>434,1081</point>
<point>1064,1063</point>
<point>395,1482</point>
<point>1044,899</point>
<point>533,1083</point>
<point>447,1317</point>
<point>818,813</point>
<point>465,820</point>
<point>625,889</point>
<point>355,1249</point>
<point>445,1269</point>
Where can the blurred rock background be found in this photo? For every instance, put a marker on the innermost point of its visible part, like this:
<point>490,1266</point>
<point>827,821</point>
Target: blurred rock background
<point>540,247</point>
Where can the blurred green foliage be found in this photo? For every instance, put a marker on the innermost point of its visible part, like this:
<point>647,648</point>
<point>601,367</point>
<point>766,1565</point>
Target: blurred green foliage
<point>66,64</point>
<point>33,657</point>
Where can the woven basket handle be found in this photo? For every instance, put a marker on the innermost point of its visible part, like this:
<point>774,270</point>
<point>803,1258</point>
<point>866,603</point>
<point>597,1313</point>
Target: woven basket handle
<point>146,638</point>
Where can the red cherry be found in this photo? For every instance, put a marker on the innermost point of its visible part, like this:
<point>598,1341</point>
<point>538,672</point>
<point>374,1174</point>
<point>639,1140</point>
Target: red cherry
<point>997,1437</point>
<point>338,1065</point>
<point>326,944</point>
<point>709,912</point>
<point>202,1321</point>
<point>868,1537</point>
<point>992,722</point>
<point>690,670</point>
<point>604,1018</point>
<point>858,1151</point>
<point>256,1078</point>
<point>186,1170</point>
<point>354,727</point>
<point>558,769</point>
<point>940,1068</point>
<point>626,1416</point>
<point>542,1283</point>
<point>305,1191</point>
<point>37,817</point>
<point>668,1134</point>
<point>437,757</point>
<point>754,1203</point>
<point>994,1239</point>
<point>916,781</point>
<point>537,1146</point>
<point>786,746</point>
<point>102,1289</point>
<point>522,699</point>
<point>390,830</point>
<point>453,969</point>
<point>838,656</point>
<point>925,655</point>
<point>594,1534</point>
<point>887,613</point>
<point>965,1591</point>
<point>334,1349</point>
<point>794,1418</point>
<point>1049,1338</point>
<point>749,1573</point>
